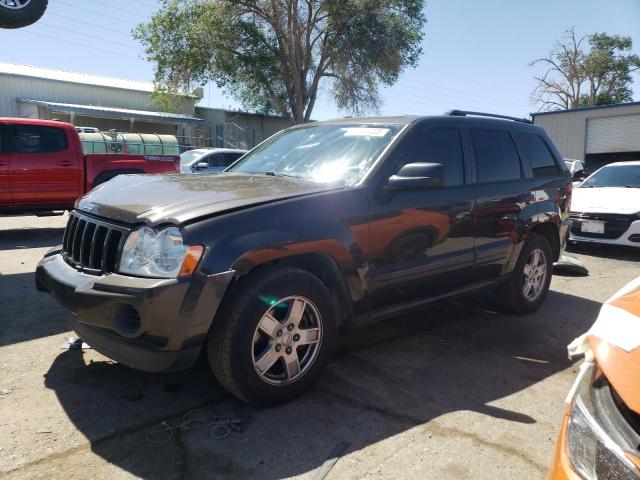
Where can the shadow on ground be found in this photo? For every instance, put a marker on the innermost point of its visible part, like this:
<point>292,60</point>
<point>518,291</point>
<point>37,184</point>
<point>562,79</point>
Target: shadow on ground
<point>613,252</point>
<point>30,238</point>
<point>27,314</point>
<point>384,380</point>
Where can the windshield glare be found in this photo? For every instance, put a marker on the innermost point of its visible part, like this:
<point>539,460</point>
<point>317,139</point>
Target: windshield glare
<point>614,176</point>
<point>320,153</point>
<point>188,157</point>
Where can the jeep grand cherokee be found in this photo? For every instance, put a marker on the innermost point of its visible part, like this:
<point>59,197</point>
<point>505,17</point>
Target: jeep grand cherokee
<point>324,225</point>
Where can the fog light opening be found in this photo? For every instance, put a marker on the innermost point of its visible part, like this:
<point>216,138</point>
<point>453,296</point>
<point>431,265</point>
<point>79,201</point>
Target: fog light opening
<point>127,319</point>
<point>635,238</point>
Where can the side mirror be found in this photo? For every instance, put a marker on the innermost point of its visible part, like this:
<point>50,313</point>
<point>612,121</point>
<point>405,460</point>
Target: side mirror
<point>417,176</point>
<point>202,166</point>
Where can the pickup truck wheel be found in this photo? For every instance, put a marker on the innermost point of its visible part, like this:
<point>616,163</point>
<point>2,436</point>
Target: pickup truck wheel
<point>20,13</point>
<point>274,336</point>
<point>527,288</point>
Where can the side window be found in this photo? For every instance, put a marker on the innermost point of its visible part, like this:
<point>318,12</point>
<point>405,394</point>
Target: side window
<point>496,156</point>
<point>442,145</point>
<point>34,139</point>
<point>3,139</point>
<point>217,160</point>
<point>540,158</point>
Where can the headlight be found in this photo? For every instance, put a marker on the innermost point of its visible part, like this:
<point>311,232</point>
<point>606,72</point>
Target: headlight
<point>594,423</point>
<point>148,253</point>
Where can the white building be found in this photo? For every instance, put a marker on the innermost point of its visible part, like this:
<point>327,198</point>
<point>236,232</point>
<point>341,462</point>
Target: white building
<point>596,135</point>
<point>126,106</point>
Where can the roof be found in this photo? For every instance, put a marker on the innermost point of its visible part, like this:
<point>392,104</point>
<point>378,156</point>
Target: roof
<point>581,109</point>
<point>35,121</point>
<point>73,77</point>
<point>113,112</point>
<point>633,163</point>
<point>397,120</point>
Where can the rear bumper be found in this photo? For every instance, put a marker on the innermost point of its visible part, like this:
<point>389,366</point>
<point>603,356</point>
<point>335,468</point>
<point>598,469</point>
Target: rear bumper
<point>148,324</point>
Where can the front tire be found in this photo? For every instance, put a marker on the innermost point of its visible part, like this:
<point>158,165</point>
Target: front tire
<point>528,285</point>
<point>274,335</point>
<point>21,13</point>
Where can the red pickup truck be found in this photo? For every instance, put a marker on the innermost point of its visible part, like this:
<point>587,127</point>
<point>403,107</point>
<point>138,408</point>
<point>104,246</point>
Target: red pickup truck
<point>43,168</point>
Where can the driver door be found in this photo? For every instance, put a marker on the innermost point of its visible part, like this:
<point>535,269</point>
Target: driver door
<point>421,241</point>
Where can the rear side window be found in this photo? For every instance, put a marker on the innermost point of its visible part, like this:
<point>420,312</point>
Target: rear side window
<point>540,158</point>
<point>496,156</point>
<point>442,146</point>
<point>36,139</point>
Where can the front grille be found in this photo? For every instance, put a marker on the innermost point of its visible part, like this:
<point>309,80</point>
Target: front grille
<point>614,224</point>
<point>92,245</point>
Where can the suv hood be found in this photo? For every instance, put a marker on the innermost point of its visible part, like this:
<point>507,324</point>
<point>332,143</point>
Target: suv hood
<point>157,199</point>
<point>606,200</point>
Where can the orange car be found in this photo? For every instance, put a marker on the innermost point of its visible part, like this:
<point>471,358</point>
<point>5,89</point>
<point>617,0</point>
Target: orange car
<point>600,435</point>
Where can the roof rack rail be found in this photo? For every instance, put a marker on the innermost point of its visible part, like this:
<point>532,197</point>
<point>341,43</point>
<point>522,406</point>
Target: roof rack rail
<point>464,113</point>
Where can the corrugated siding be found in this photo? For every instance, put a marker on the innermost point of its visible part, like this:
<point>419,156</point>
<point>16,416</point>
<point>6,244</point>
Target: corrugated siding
<point>12,87</point>
<point>613,134</point>
<point>568,130</point>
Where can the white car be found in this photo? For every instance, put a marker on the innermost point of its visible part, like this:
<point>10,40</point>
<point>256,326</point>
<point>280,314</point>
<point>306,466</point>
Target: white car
<point>605,208</point>
<point>208,160</point>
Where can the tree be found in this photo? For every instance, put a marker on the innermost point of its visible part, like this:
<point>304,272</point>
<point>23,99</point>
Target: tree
<point>590,70</point>
<point>274,55</point>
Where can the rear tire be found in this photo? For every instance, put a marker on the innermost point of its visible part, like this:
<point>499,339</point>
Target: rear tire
<point>18,16</point>
<point>273,336</point>
<point>528,285</point>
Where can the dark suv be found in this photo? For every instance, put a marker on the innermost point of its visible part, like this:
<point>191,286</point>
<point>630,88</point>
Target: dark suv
<point>324,225</point>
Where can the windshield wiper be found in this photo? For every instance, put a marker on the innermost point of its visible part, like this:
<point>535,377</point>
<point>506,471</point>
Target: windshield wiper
<point>278,174</point>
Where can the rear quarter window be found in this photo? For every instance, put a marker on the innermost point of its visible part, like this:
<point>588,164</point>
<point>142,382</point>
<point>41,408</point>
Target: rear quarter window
<point>496,156</point>
<point>37,139</point>
<point>540,158</point>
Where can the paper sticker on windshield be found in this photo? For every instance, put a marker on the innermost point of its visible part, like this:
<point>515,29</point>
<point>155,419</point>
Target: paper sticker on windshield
<point>365,132</point>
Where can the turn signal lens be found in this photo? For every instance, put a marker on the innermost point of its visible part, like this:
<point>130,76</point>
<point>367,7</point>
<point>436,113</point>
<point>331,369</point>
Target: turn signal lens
<point>191,260</point>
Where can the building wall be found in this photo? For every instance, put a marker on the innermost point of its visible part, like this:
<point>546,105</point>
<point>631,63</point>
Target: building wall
<point>15,86</point>
<point>568,129</point>
<point>239,129</point>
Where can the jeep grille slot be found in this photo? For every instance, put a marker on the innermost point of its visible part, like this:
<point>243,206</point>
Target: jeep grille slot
<point>92,245</point>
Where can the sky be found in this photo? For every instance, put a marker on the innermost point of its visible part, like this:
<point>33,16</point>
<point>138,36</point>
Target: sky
<point>476,53</point>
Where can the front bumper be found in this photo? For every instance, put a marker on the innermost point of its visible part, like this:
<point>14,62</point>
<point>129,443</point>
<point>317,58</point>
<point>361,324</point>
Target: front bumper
<point>630,237</point>
<point>145,323</point>
<point>600,429</point>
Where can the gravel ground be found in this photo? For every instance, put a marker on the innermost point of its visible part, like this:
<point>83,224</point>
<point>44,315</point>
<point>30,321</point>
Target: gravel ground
<point>453,391</point>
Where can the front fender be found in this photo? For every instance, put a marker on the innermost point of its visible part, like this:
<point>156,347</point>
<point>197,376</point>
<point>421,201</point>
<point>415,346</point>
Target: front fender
<point>333,223</point>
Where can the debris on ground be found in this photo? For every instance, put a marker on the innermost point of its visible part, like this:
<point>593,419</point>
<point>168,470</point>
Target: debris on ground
<point>43,430</point>
<point>4,391</point>
<point>330,462</point>
<point>568,264</point>
<point>220,426</point>
<point>73,343</point>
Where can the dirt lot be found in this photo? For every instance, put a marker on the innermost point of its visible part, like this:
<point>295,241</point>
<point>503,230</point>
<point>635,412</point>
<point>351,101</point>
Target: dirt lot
<point>455,391</point>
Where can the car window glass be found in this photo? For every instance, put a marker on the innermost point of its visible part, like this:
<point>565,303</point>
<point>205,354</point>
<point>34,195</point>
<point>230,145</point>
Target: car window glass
<point>540,158</point>
<point>496,156</point>
<point>217,160</point>
<point>35,139</point>
<point>439,146</point>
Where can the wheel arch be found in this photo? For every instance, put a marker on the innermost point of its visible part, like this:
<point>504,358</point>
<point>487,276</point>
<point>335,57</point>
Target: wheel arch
<point>325,268</point>
<point>551,232</point>
<point>109,174</point>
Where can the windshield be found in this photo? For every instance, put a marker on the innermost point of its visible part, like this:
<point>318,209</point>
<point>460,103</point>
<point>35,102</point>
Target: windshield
<point>614,176</point>
<point>324,153</point>
<point>189,157</point>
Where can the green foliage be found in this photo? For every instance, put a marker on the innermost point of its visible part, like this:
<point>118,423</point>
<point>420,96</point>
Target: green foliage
<point>273,56</point>
<point>577,76</point>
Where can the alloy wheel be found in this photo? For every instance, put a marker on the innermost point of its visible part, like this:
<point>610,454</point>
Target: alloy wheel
<point>14,4</point>
<point>287,340</point>
<point>535,275</point>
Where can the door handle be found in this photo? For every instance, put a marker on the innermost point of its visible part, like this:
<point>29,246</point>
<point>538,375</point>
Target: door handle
<point>65,164</point>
